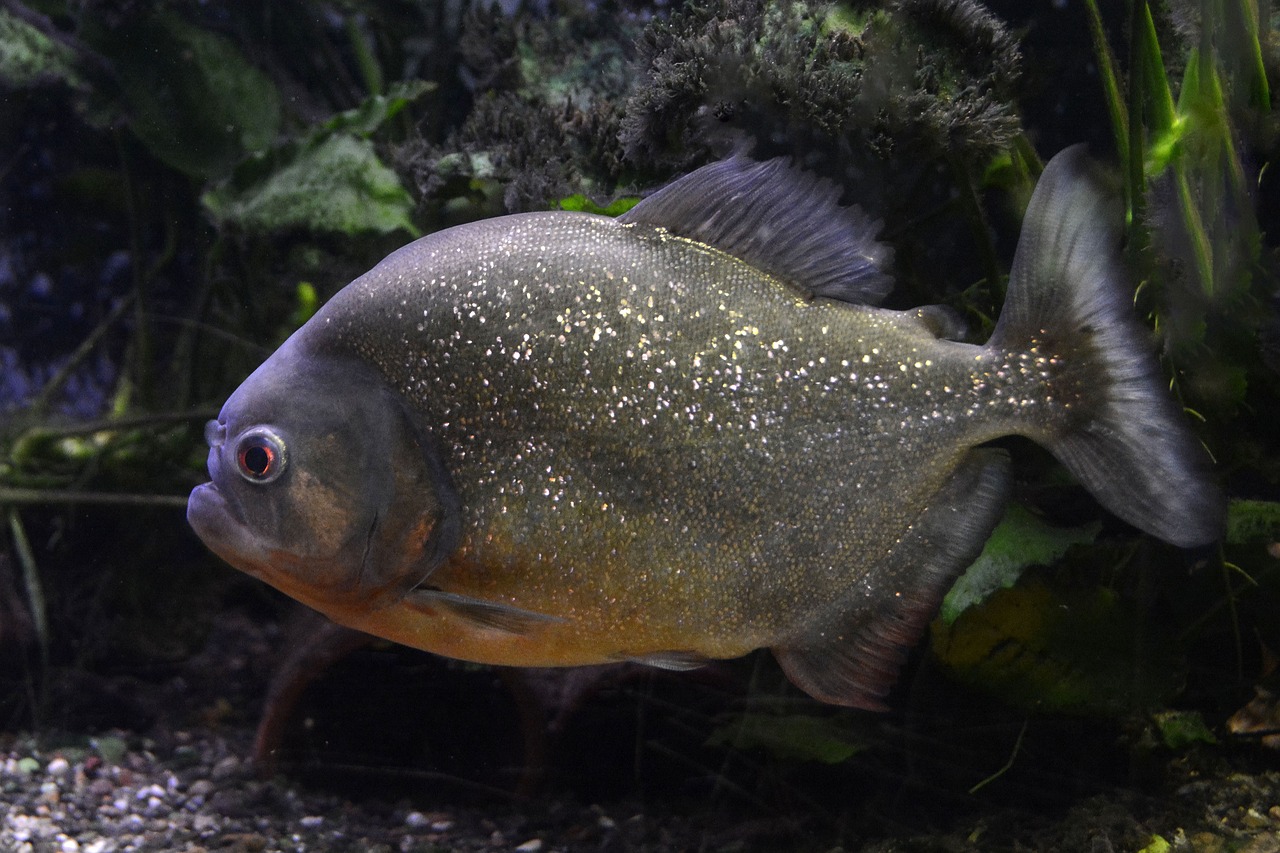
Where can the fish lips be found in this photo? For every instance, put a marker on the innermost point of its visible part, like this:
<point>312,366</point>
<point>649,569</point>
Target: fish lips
<point>218,524</point>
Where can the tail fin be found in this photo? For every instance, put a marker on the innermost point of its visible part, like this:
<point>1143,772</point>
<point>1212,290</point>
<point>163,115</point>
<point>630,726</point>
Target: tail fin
<point>1123,435</point>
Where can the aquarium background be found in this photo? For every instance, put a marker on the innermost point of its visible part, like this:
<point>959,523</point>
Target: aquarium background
<point>182,184</point>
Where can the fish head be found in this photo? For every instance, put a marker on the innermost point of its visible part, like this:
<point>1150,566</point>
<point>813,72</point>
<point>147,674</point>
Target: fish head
<point>322,486</point>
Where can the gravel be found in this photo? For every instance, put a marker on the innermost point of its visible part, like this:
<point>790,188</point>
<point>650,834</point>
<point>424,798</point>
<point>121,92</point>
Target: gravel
<point>122,793</point>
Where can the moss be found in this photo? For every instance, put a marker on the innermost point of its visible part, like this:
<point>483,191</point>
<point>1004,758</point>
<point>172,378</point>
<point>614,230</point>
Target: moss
<point>933,76</point>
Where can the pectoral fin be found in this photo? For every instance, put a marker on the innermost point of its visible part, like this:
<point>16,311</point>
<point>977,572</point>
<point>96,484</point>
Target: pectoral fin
<point>850,653</point>
<point>486,614</point>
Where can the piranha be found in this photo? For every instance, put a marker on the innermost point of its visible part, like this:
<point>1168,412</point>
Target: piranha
<point>554,439</point>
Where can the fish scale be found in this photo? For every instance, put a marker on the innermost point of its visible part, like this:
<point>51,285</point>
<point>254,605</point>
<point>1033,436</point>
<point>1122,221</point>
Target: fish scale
<point>767,384</point>
<point>554,439</point>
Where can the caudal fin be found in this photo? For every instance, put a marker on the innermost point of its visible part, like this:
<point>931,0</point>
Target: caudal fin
<point>1119,430</point>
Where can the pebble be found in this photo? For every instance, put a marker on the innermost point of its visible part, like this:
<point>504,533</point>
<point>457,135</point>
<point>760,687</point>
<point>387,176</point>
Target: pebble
<point>533,845</point>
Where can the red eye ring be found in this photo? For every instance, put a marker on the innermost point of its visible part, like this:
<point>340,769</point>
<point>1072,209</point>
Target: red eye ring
<point>260,455</point>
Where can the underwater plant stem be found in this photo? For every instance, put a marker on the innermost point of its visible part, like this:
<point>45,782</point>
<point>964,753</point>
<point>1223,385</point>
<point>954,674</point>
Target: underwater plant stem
<point>41,404</point>
<point>1235,619</point>
<point>1260,91</point>
<point>124,423</point>
<point>1194,225</point>
<point>140,345</point>
<point>370,72</point>
<point>31,580</point>
<point>981,234</point>
<point>1013,756</point>
<point>1110,78</point>
<point>70,496</point>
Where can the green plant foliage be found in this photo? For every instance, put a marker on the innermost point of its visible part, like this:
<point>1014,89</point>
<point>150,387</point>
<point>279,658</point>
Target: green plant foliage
<point>796,737</point>
<point>1019,541</point>
<point>1181,729</point>
<point>331,180</point>
<point>1074,650</point>
<point>308,303</point>
<point>191,96</point>
<point>375,111</point>
<point>1251,522</point>
<point>28,57</point>
<point>581,203</point>
<point>337,184</point>
<point>1157,844</point>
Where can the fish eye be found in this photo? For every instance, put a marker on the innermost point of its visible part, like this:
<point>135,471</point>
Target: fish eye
<point>260,455</point>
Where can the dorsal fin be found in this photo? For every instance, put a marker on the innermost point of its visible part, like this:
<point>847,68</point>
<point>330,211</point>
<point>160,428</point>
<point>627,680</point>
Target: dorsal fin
<point>780,219</point>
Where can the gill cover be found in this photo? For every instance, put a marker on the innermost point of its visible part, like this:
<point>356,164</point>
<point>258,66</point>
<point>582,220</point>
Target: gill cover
<point>323,486</point>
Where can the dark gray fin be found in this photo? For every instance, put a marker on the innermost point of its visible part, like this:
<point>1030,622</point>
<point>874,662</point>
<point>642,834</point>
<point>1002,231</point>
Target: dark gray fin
<point>850,654</point>
<point>780,219</point>
<point>487,614</point>
<point>679,661</point>
<point>1125,438</point>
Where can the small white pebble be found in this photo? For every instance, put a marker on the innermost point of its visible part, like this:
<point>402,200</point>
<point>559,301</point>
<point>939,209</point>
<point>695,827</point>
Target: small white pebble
<point>441,825</point>
<point>533,845</point>
<point>312,821</point>
<point>200,788</point>
<point>416,820</point>
<point>205,823</point>
<point>70,845</point>
<point>58,767</point>
<point>225,767</point>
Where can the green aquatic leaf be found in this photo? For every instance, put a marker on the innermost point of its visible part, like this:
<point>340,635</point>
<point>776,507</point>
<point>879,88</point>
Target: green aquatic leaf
<point>1252,522</point>
<point>375,111</point>
<point>1020,540</point>
<point>796,737</point>
<point>308,302</point>
<point>1180,729</point>
<point>192,97</point>
<point>338,184</point>
<point>28,57</point>
<point>1157,844</point>
<point>1061,649</point>
<point>579,202</point>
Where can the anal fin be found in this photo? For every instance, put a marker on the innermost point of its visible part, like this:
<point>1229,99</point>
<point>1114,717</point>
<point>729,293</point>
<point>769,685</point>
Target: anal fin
<point>678,661</point>
<point>849,654</point>
<point>486,614</point>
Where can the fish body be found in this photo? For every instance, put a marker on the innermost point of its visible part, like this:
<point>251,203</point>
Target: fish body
<point>556,439</point>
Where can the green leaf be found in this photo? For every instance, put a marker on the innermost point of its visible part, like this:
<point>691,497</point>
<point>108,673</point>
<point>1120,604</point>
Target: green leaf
<point>1180,729</point>
<point>366,119</point>
<point>1157,844</point>
<point>338,184</point>
<point>798,737</point>
<point>28,57</point>
<point>1020,540</point>
<point>193,98</point>
<point>579,202</point>
<point>1252,522</point>
<point>1063,649</point>
<point>308,302</point>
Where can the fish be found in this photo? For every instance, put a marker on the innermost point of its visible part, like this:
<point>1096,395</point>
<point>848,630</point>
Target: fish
<point>559,439</point>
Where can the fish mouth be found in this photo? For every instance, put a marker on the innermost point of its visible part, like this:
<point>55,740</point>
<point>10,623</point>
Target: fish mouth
<point>218,524</point>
